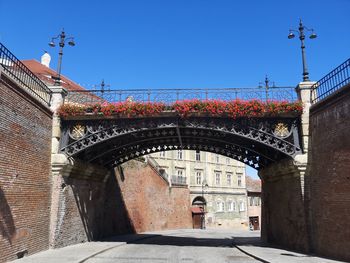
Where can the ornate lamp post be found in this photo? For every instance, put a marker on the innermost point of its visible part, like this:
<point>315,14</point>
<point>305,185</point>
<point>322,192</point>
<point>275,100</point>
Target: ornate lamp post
<point>63,39</point>
<point>204,186</point>
<point>267,86</point>
<point>301,33</point>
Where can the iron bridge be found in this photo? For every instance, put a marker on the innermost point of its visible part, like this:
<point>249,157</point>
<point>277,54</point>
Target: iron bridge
<point>110,142</point>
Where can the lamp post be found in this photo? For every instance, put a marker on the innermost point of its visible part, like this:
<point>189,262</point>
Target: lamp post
<point>204,185</point>
<point>301,33</point>
<point>267,86</point>
<point>63,39</point>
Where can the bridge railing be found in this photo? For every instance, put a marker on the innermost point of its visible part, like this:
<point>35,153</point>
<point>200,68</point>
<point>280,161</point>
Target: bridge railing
<point>168,96</point>
<point>20,73</point>
<point>333,81</point>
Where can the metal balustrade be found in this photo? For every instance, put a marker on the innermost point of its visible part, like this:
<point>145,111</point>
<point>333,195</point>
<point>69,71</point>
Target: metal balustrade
<point>169,96</point>
<point>16,70</point>
<point>333,81</point>
<point>178,180</point>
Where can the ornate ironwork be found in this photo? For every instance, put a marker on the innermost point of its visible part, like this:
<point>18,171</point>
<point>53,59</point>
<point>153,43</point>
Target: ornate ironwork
<point>168,96</point>
<point>114,141</point>
<point>19,72</point>
<point>336,79</point>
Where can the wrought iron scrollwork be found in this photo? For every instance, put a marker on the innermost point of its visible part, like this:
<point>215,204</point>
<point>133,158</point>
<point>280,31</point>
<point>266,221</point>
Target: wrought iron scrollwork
<point>255,142</point>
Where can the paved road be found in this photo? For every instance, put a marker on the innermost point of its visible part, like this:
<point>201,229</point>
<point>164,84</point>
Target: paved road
<point>174,246</point>
<point>214,246</point>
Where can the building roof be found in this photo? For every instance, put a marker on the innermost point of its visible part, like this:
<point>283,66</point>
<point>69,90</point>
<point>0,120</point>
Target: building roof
<point>45,74</point>
<point>253,185</point>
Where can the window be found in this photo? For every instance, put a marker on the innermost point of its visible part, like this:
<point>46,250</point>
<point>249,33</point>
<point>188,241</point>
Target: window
<point>239,180</point>
<point>179,154</point>
<point>227,160</point>
<point>251,201</point>
<point>198,155</point>
<point>220,206</point>
<point>254,201</point>
<point>217,178</point>
<point>217,158</point>
<point>230,205</point>
<point>162,154</point>
<point>241,206</point>
<point>229,178</point>
<point>180,172</point>
<point>198,177</point>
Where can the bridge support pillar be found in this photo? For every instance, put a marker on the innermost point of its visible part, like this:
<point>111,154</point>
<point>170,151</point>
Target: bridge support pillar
<point>286,193</point>
<point>304,95</point>
<point>78,197</point>
<point>284,218</point>
<point>78,202</point>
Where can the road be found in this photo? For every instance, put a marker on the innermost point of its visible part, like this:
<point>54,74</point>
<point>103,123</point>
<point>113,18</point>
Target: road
<point>172,246</point>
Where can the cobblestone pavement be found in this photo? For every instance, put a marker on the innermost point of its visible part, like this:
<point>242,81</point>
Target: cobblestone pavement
<point>191,245</point>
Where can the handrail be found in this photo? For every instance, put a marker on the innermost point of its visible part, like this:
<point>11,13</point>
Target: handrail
<point>154,164</point>
<point>28,80</point>
<point>333,81</point>
<point>168,96</point>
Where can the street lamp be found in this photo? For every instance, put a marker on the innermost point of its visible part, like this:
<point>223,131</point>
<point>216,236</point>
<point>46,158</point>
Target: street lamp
<point>301,33</point>
<point>204,186</point>
<point>61,44</point>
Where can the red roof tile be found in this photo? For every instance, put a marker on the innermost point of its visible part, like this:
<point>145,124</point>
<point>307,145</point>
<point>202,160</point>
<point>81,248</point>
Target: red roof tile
<point>253,185</point>
<point>45,74</point>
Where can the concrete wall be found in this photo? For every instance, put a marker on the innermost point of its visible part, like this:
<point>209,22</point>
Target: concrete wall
<point>150,203</point>
<point>330,175</point>
<point>284,221</point>
<point>25,182</point>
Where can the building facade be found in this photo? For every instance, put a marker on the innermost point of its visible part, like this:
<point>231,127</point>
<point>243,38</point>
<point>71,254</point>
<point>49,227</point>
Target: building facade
<point>217,185</point>
<point>254,203</point>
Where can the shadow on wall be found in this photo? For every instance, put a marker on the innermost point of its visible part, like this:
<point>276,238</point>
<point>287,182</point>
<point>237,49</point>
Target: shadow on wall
<point>284,217</point>
<point>101,208</point>
<point>116,216</point>
<point>7,224</point>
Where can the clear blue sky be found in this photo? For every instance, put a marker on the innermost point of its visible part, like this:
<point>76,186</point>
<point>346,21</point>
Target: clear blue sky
<point>180,43</point>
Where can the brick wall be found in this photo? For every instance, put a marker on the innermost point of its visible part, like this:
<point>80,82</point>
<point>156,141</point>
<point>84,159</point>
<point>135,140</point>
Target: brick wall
<point>25,148</point>
<point>93,206</point>
<point>87,205</point>
<point>283,214</point>
<point>150,203</point>
<point>330,176</point>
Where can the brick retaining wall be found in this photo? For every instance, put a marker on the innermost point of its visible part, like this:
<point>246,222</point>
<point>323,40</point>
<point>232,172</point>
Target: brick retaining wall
<point>25,151</point>
<point>150,203</point>
<point>283,212</point>
<point>330,175</point>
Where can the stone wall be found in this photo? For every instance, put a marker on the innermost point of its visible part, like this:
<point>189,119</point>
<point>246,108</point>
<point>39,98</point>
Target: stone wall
<point>330,175</point>
<point>150,203</point>
<point>25,182</point>
<point>284,221</point>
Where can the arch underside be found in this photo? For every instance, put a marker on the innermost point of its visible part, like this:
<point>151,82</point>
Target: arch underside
<point>112,143</point>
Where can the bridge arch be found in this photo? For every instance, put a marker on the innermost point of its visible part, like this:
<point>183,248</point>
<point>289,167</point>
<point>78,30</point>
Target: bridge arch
<point>112,141</point>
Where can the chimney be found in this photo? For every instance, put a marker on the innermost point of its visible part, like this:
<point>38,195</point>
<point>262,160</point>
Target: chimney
<point>45,59</point>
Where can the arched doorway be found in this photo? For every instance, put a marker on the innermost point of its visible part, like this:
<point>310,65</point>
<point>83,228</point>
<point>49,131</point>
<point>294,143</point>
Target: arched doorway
<point>198,212</point>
